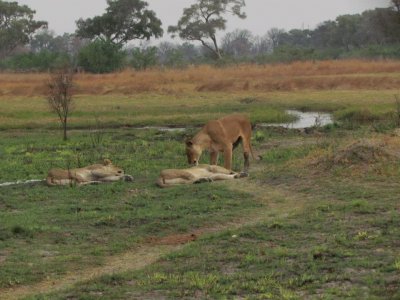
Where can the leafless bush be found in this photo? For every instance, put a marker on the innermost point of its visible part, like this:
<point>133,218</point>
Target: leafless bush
<point>59,96</point>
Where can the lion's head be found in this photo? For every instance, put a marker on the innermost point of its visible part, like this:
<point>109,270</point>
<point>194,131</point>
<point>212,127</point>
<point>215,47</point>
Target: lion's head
<point>110,170</point>
<point>193,153</point>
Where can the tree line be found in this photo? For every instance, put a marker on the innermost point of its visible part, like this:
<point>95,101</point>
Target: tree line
<point>102,44</point>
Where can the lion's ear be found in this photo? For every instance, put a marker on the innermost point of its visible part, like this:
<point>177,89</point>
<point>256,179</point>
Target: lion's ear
<point>189,143</point>
<point>107,162</point>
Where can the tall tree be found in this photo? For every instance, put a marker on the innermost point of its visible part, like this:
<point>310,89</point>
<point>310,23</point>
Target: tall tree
<point>16,26</point>
<point>123,21</point>
<point>201,21</point>
<point>275,36</point>
<point>238,43</point>
<point>347,30</point>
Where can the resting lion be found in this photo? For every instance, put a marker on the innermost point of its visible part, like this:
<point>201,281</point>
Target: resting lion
<point>97,173</point>
<point>222,135</point>
<point>197,174</point>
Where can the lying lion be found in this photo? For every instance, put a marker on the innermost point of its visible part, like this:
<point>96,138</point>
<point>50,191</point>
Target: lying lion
<point>196,174</point>
<point>97,173</point>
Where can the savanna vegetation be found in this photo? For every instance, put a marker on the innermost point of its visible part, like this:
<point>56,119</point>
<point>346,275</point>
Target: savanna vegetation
<point>318,216</point>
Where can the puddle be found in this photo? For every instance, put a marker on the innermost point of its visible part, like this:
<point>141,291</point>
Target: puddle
<point>304,120</point>
<point>160,128</point>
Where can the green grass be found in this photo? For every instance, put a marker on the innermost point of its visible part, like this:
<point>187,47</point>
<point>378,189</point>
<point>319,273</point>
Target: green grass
<point>341,244</point>
<point>50,231</point>
<point>327,232</point>
<point>188,108</point>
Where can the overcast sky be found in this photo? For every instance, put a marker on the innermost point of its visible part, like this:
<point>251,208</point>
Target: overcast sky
<point>261,14</point>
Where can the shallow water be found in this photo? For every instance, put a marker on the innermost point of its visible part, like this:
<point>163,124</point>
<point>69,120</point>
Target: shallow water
<point>304,120</point>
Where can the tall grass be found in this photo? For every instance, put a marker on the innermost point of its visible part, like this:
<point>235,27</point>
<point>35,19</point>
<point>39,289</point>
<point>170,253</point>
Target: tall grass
<point>343,74</point>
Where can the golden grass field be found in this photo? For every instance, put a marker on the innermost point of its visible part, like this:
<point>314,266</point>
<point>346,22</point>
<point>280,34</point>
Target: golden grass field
<point>192,95</point>
<point>321,75</point>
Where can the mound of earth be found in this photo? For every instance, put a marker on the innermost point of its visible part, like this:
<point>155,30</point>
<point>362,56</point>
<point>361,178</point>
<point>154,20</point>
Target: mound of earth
<point>368,151</point>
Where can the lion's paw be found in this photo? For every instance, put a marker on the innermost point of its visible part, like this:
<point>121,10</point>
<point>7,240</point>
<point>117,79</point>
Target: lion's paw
<point>128,178</point>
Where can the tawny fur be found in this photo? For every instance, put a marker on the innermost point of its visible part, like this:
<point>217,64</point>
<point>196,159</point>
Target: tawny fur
<point>197,174</point>
<point>222,135</point>
<point>97,173</point>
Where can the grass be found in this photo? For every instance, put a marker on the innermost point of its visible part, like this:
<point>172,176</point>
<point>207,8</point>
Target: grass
<point>164,97</point>
<point>340,244</point>
<point>52,231</point>
<point>304,225</point>
<point>343,74</point>
<point>194,108</point>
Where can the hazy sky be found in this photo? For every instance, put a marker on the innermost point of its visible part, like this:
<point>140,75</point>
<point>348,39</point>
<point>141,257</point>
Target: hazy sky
<point>261,14</point>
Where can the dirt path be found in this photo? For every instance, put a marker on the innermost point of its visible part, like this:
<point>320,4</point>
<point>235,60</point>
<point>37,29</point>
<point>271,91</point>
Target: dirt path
<point>149,253</point>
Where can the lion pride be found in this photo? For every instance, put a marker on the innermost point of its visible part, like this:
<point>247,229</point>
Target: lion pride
<point>222,135</point>
<point>97,173</point>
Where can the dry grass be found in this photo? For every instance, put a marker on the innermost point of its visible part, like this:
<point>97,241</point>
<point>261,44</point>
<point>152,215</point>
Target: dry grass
<point>368,153</point>
<point>322,75</point>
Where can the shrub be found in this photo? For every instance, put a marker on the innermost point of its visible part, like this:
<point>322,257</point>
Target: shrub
<point>101,57</point>
<point>41,61</point>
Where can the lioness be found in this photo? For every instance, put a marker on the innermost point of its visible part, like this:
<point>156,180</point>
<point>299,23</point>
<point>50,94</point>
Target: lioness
<point>96,173</point>
<point>222,135</point>
<point>196,174</point>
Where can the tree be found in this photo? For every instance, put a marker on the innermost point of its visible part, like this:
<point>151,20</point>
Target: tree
<point>101,56</point>
<point>59,96</point>
<point>325,35</point>
<point>238,43</point>
<point>296,37</point>
<point>275,36</point>
<point>347,29</point>
<point>16,26</point>
<point>123,21</point>
<point>201,21</point>
<point>143,57</point>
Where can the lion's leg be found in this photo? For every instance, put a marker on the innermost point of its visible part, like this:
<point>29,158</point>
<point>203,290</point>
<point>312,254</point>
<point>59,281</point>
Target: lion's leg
<point>53,182</point>
<point>175,177</point>
<point>246,162</point>
<point>111,178</point>
<point>222,177</point>
<point>246,154</point>
<point>228,158</point>
<point>213,157</point>
<point>177,181</point>
<point>90,182</point>
<point>219,170</point>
